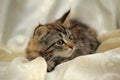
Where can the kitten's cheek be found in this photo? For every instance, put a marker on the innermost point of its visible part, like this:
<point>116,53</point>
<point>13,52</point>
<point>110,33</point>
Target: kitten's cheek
<point>32,55</point>
<point>37,38</point>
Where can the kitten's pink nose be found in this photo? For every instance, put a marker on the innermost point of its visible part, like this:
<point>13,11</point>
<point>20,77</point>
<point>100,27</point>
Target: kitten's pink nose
<point>70,44</point>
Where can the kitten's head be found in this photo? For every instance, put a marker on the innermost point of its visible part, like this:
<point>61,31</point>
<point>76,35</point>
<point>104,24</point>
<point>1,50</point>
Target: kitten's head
<point>52,40</point>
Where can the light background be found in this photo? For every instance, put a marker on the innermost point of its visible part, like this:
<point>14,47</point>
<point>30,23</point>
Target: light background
<point>18,18</point>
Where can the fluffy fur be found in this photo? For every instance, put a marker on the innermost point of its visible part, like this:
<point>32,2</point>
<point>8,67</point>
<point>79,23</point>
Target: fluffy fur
<point>61,41</point>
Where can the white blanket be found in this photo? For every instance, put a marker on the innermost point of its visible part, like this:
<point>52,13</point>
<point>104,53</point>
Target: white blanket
<point>18,19</point>
<point>102,66</point>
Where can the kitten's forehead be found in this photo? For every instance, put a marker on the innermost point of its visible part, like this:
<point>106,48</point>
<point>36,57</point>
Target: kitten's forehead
<point>55,27</point>
<point>58,27</point>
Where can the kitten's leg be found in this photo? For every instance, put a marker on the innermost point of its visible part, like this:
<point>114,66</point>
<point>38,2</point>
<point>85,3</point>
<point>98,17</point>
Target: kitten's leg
<point>52,63</point>
<point>50,66</point>
<point>56,61</point>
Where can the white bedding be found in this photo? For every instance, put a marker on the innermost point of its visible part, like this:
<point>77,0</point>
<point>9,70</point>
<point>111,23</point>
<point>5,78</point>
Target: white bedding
<point>102,66</point>
<point>18,19</point>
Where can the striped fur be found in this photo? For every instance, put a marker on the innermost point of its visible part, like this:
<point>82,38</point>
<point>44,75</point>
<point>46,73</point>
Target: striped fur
<point>61,41</point>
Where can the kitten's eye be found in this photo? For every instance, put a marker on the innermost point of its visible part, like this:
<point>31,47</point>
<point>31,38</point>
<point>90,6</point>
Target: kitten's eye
<point>71,37</point>
<point>60,42</point>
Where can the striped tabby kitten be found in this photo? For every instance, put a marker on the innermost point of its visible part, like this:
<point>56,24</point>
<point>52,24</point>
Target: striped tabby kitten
<point>61,41</point>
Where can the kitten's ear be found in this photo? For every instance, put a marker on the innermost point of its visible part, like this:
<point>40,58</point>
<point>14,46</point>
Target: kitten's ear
<point>40,32</point>
<point>65,19</point>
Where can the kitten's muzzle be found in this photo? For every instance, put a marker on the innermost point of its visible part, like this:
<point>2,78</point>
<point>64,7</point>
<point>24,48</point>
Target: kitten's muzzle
<point>70,44</point>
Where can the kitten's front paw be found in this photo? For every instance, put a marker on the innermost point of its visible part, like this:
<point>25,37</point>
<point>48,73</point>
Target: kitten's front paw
<point>49,69</point>
<point>51,66</point>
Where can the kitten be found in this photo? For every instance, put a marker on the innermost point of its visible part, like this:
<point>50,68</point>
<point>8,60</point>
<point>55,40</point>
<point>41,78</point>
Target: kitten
<point>61,41</point>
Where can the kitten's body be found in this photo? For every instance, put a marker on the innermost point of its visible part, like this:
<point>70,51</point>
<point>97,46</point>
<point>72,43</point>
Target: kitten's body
<point>62,41</point>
